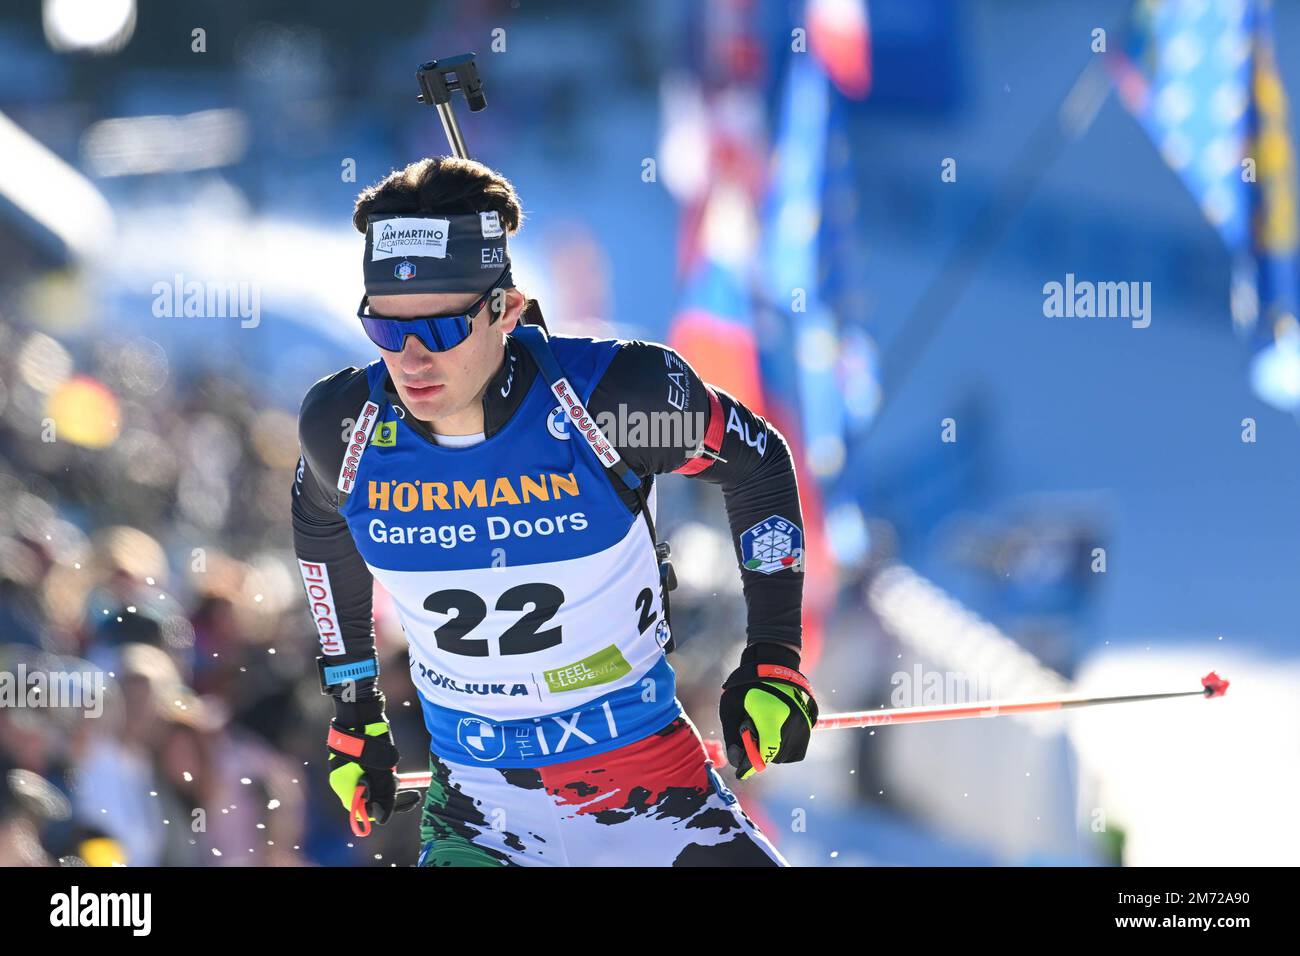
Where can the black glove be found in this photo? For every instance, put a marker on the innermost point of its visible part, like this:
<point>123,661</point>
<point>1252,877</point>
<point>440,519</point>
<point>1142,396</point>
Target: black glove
<point>362,754</point>
<point>767,709</point>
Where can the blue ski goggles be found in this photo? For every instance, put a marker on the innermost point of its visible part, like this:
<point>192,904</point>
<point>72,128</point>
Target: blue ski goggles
<point>437,333</point>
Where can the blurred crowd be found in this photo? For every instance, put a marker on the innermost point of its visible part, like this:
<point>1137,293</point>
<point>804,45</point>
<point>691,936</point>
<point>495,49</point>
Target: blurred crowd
<point>145,549</point>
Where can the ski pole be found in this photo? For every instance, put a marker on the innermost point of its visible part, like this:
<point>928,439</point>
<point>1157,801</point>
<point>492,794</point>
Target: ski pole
<point>1212,685</point>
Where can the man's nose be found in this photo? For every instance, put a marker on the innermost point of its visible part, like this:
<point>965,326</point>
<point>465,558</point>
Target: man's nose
<point>416,357</point>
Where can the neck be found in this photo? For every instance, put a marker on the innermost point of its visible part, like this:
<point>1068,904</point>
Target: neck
<point>468,421</point>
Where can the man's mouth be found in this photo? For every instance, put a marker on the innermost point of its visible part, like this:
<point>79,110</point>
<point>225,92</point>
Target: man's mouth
<point>423,391</point>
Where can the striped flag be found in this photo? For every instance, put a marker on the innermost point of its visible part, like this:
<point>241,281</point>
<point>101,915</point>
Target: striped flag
<point>753,317</point>
<point>714,325</point>
<point>1202,79</point>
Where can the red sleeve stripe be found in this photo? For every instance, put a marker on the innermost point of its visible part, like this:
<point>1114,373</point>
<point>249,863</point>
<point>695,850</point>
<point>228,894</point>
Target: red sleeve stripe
<point>712,437</point>
<point>345,743</point>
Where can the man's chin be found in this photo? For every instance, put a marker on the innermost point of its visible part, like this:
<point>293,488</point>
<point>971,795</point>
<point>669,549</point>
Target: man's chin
<point>429,407</point>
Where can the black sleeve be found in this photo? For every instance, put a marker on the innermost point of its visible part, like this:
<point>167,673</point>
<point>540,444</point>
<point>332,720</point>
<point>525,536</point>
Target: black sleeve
<point>338,584</point>
<point>662,417</point>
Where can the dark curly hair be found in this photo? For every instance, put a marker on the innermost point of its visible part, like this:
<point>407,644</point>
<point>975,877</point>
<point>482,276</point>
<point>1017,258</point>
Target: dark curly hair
<point>441,185</point>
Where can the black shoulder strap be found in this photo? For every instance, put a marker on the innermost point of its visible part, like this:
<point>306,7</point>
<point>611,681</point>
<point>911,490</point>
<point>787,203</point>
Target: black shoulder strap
<point>538,345</point>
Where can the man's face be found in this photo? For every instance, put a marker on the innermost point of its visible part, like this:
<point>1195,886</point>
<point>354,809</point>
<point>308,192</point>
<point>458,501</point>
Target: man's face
<point>438,385</point>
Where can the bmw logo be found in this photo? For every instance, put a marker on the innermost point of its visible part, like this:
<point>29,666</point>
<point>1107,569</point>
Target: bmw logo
<point>557,423</point>
<point>482,740</point>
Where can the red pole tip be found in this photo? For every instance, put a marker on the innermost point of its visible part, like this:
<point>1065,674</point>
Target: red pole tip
<point>1215,686</point>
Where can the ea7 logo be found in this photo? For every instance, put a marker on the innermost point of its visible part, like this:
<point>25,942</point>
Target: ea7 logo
<point>75,909</point>
<point>757,442</point>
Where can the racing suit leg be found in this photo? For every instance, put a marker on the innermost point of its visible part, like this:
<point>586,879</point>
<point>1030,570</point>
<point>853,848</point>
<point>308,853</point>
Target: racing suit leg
<point>655,802</point>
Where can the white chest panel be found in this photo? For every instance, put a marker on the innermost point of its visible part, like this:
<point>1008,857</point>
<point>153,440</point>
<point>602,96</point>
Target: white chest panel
<point>513,642</point>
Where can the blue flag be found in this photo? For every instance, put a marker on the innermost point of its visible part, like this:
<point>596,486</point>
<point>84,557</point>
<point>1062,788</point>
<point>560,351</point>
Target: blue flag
<point>1203,80</point>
